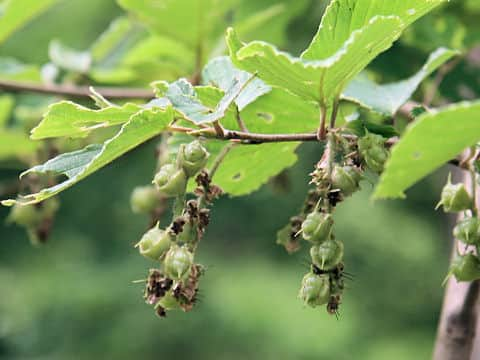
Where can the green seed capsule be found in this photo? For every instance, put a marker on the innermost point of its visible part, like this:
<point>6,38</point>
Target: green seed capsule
<point>455,197</point>
<point>178,262</point>
<point>468,231</point>
<point>327,255</point>
<point>317,227</point>
<point>194,158</point>
<point>373,151</point>
<point>143,199</point>
<point>315,289</point>
<point>466,267</point>
<point>170,181</point>
<point>154,243</point>
<point>346,178</point>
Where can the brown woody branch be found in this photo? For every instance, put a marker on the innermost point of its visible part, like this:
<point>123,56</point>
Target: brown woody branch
<point>75,91</point>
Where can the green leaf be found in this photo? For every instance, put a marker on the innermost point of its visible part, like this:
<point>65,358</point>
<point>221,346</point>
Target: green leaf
<point>351,35</point>
<point>69,59</point>
<point>11,69</point>
<point>16,13</point>
<point>184,98</point>
<point>15,144</point>
<point>189,21</point>
<point>280,111</point>
<point>388,98</point>
<point>432,140</point>
<point>114,40</point>
<point>315,80</point>
<point>220,72</point>
<point>77,165</point>
<point>247,167</point>
<point>6,106</point>
<point>125,52</point>
<point>344,17</point>
<point>66,118</point>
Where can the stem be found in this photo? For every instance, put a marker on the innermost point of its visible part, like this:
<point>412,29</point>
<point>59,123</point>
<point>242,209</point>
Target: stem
<point>442,72</point>
<point>333,117</point>
<point>240,122</point>
<point>322,129</point>
<point>330,164</point>
<point>219,160</point>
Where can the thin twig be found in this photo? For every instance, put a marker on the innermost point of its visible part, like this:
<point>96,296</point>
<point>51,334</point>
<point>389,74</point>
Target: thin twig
<point>219,159</point>
<point>240,121</point>
<point>76,91</point>
<point>439,77</point>
<point>322,129</point>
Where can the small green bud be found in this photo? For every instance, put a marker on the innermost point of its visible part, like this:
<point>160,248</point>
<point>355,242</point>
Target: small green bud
<point>170,181</point>
<point>327,255</point>
<point>194,157</point>
<point>346,178</point>
<point>28,216</point>
<point>455,197</point>
<point>373,151</point>
<point>154,243</point>
<point>466,267</point>
<point>315,289</point>
<point>468,231</point>
<point>168,301</point>
<point>143,199</point>
<point>317,227</point>
<point>178,262</point>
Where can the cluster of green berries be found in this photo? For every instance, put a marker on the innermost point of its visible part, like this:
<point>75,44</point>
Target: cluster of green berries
<point>174,284</point>
<point>336,177</point>
<point>455,199</point>
<point>36,219</point>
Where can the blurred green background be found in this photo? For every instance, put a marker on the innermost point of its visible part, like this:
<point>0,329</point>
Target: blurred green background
<point>74,298</point>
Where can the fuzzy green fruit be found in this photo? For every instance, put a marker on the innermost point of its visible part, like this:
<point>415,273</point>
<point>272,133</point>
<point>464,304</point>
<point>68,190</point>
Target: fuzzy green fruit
<point>29,216</point>
<point>178,262</point>
<point>468,231</point>
<point>154,243</point>
<point>315,289</point>
<point>194,158</point>
<point>372,150</point>
<point>455,197</point>
<point>317,227</point>
<point>466,267</point>
<point>327,255</point>
<point>170,181</point>
<point>346,179</point>
<point>143,199</point>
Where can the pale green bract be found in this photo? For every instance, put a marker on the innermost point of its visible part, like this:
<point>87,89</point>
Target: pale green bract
<point>388,98</point>
<point>184,98</point>
<point>431,141</point>
<point>78,165</point>
<point>350,36</point>
<point>221,73</point>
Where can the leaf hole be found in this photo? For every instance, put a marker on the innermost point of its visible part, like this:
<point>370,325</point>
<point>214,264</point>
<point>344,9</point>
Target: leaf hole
<point>266,116</point>
<point>417,155</point>
<point>237,176</point>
